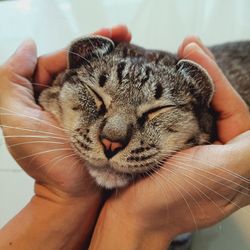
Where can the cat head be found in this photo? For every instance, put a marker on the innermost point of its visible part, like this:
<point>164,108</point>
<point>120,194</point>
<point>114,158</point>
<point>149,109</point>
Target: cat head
<point>129,108</point>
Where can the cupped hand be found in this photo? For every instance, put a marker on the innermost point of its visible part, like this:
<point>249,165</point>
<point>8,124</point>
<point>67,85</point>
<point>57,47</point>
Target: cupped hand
<point>34,138</point>
<point>199,186</point>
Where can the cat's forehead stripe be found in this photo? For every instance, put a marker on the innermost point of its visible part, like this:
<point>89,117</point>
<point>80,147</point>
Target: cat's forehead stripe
<point>125,52</point>
<point>147,75</point>
<point>158,91</point>
<point>120,67</point>
<point>102,79</point>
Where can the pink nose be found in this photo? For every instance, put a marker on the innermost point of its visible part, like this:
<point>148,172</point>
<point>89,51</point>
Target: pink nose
<point>110,145</point>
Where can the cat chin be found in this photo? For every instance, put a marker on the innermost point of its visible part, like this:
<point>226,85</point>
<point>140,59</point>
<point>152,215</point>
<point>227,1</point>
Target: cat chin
<point>108,179</point>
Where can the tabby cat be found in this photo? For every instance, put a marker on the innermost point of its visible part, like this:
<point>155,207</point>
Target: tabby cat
<point>131,108</point>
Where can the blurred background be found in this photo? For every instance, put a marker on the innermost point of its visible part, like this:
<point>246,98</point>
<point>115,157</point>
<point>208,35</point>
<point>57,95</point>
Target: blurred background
<point>159,24</point>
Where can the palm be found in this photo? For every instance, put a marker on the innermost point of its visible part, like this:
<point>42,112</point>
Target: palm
<point>33,136</point>
<point>42,148</point>
<point>201,192</point>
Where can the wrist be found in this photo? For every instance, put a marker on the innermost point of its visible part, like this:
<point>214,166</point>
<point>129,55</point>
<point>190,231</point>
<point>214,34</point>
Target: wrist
<point>45,192</point>
<point>59,222</point>
<point>117,230</point>
<point>77,213</point>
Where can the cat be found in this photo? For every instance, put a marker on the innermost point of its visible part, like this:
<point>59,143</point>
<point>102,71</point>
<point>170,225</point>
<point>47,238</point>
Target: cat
<point>129,108</point>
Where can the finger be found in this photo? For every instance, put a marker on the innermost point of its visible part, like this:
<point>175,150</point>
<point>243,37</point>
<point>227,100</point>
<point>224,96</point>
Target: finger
<point>49,66</point>
<point>104,32</point>
<point>197,40</point>
<point>23,61</point>
<point>233,112</point>
<point>121,33</point>
<point>226,100</point>
<point>52,64</point>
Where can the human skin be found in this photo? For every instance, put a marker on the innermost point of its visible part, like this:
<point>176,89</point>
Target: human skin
<point>195,188</point>
<point>66,202</point>
<point>124,222</point>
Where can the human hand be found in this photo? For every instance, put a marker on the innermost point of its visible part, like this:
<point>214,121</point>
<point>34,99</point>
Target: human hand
<point>196,187</point>
<point>66,202</point>
<point>34,138</point>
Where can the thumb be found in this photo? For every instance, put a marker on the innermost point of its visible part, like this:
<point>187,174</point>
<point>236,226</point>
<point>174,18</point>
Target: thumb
<point>23,61</point>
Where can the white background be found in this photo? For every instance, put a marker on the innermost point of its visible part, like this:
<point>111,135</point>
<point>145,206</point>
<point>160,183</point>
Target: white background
<point>160,24</point>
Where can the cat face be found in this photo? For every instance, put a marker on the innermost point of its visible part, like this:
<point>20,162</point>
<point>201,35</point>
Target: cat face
<point>128,108</point>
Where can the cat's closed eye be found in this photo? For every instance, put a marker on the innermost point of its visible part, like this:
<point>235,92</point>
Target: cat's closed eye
<point>100,104</point>
<point>154,112</point>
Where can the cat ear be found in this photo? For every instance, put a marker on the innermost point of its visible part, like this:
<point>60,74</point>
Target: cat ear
<point>83,50</point>
<point>200,84</point>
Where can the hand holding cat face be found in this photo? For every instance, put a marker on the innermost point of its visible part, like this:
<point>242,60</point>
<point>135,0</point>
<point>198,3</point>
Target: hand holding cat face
<point>64,209</point>
<point>233,112</point>
<point>197,187</point>
<point>33,136</point>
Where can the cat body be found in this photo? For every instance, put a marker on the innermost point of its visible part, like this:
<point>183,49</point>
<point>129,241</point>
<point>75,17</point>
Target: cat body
<point>234,60</point>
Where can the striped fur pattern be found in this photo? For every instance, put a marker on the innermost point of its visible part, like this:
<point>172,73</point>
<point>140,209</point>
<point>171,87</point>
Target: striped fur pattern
<point>148,101</point>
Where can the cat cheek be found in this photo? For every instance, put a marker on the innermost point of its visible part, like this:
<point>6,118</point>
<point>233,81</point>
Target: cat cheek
<point>49,100</point>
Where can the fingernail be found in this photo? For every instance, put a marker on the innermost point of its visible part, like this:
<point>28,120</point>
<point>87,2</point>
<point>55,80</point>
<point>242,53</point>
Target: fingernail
<point>108,30</point>
<point>203,47</point>
<point>200,43</point>
<point>192,47</point>
<point>105,29</point>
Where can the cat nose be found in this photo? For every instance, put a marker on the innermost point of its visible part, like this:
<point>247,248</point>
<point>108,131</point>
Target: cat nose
<point>110,147</point>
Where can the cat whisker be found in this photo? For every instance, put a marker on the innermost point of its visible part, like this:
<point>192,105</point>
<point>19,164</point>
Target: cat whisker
<point>34,136</point>
<point>59,160</point>
<point>13,113</point>
<point>183,197</point>
<point>188,167</point>
<point>209,165</point>
<point>44,152</point>
<point>76,162</point>
<point>41,85</point>
<point>85,59</point>
<point>94,48</point>
<point>207,187</point>
<point>82,57</point>
<point>183,166</point>
<point>162,189</point>
<point>33,142</point>
<point>30,130</point>
<point>63,158</point>
<point>225,198</point>
<point>50,161</point>
<point>199,190</point>
<point>219,168</point>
